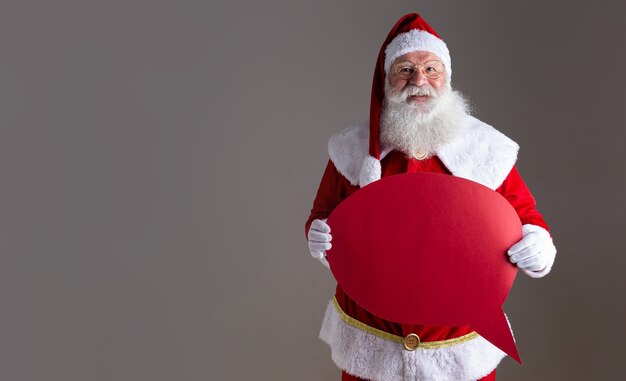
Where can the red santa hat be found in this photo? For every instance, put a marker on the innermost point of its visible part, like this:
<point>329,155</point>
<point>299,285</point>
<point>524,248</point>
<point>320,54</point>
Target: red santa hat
<point>410,34</point>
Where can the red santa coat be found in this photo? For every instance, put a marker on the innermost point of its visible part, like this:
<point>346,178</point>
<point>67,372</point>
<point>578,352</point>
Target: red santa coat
<point>367,346</point>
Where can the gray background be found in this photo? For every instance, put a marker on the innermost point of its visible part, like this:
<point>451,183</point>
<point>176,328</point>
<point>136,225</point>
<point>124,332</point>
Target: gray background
<point>159,159</point>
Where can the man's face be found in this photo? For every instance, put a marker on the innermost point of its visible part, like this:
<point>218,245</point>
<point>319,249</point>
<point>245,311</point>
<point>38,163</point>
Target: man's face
<point>419,79</point>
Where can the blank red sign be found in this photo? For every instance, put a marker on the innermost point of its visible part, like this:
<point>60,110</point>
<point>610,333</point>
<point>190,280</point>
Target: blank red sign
<point>428,248</point>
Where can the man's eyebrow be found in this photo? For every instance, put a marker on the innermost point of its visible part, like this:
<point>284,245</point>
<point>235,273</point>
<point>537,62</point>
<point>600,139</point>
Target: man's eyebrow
<point>413,63</point>
<point>404,62</point>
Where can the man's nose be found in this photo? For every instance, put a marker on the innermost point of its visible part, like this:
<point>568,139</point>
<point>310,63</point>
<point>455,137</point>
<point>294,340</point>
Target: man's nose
<point>418,79</point>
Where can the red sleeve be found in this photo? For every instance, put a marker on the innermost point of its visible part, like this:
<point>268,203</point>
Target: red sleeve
<point>517,193</point>
<point>329,195</point>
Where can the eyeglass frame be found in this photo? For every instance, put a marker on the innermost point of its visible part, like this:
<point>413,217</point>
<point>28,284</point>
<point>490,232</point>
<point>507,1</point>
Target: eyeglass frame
<point>422,67</point>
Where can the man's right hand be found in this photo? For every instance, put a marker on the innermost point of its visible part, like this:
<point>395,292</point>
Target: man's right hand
<point>319,240</point>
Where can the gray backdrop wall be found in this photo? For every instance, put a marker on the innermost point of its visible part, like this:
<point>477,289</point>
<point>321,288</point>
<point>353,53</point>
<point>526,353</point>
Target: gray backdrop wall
<point>159,159</point>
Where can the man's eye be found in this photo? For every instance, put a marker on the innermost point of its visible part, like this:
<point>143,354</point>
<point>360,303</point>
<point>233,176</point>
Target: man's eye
<point>431,69</point>
<point>406,70</point>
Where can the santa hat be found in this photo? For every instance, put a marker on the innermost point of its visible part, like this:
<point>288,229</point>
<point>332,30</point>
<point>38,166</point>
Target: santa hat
<point>410,34</point>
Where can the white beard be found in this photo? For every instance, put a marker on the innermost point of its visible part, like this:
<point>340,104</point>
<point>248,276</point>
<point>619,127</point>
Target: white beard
<point>413,128</point>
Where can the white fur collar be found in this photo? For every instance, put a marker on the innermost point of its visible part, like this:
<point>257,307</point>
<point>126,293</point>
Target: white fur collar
<point>480,153</point>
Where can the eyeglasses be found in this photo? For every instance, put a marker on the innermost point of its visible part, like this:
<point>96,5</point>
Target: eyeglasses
<point>407,70</point>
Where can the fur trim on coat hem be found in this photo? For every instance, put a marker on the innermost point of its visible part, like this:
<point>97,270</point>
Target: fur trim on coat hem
<point>368,356</point>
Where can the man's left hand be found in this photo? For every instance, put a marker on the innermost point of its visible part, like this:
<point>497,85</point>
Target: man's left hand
<point>534,253</point>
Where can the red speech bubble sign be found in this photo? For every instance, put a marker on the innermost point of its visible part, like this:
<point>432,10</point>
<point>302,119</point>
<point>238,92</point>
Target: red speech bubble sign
<point>428,248</point>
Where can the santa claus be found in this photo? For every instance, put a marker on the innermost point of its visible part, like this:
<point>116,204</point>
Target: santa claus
<point>418,123</point>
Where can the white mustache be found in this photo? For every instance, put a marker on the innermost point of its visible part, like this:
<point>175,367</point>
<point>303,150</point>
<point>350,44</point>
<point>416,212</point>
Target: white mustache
<point>412,90</point>
<point>419,90</point>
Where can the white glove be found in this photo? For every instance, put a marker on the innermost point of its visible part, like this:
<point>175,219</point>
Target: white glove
<point>535,252</point>
<point>319,240</point>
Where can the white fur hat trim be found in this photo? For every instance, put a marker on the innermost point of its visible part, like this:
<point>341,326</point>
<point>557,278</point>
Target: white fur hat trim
<point>418,40</point>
